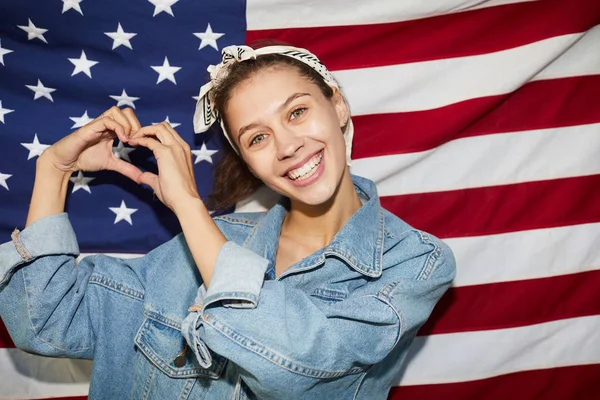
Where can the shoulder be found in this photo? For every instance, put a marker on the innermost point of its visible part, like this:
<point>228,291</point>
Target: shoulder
<point>415,252</point>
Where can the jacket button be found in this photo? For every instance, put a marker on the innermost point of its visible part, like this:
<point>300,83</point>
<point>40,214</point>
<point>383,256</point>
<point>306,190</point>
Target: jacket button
<point>180,360</point>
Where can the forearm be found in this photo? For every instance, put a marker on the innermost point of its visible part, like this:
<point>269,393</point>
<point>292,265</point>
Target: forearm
<point>202,236</point>
<point>49,191</point>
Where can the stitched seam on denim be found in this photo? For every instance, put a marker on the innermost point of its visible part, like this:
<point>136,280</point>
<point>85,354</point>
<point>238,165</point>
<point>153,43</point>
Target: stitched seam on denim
<point>36,332</point>
<point>385,295</point>
<point>163,320</point>
<point>272,356</point>
<point>237,221</point>
<point>117,287</point>
<point>141,342</point>
<point>19,246</point>
<point>148,383</point>
<point>187,388</point>
<point>360,381</point>
<point>330,293</point>
<point>349,259</point>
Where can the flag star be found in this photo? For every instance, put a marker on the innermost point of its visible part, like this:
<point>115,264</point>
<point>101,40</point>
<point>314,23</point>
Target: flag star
<point>3,112</point>
<point>82,64</point>
<point>125,100</point>
<point>3,178</point>
<point>163,6</point>
<point>173,124</point>
<point>80,121</point>
<point>35,148</point>
<point>166,71</point>
<point>120,37</point>
<point>3,51</point>
<point>203,154</point>
<point>74,4</point>
<point>41,91</point>
<point>81,182</point>
<point>123,213</point>
<point>33,31</point>
<point>209,38</point>
<point>122,152</point>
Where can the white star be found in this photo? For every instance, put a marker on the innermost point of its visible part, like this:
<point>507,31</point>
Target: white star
<point>80,121</point>
<point>74,4</point>
<point>35,148</point>
<point>120,37</point>
<point>81,182</point>
<point>41,91</point>
<point>166,71</point>
<point>122,152</point>
<point>209,38</point>
<point>82,64</point>
<point>125,100</point>
<point>34,32</point>
<point>203,154</point>
<point>123,213</point>
<point>173,124</point>
<point>163,6</point>
<point>3,52</point>
<point>3,112</point>
<point>3,178</point>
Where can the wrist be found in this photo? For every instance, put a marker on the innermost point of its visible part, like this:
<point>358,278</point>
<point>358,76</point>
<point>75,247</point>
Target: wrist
<point>46,165</point>
<point>188,205</point>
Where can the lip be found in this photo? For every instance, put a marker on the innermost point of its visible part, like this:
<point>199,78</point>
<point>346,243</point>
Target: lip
<point>301,162</point>
<point>313,178</point>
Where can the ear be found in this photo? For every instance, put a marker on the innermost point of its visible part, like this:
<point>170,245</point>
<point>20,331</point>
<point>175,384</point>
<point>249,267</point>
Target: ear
<point>341,108</point>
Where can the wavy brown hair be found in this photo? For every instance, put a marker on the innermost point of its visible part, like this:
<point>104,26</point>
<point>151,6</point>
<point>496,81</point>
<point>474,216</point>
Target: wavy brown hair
<point>233,181</point>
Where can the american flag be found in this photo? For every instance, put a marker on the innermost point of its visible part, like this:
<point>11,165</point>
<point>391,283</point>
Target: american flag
<point>479,121</point>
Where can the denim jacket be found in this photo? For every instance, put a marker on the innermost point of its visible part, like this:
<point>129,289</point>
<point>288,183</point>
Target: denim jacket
<point>335,325</point>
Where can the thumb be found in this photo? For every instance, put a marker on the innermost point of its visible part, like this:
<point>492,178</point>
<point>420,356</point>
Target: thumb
<point>124,168</point>
<point>150,179</point>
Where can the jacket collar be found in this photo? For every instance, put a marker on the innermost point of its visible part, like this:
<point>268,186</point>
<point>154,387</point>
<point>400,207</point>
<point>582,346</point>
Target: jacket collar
<point>359,243</point>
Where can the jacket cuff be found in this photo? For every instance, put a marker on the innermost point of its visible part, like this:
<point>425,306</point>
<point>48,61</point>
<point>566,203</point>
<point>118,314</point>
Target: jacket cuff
<point>189,328</point>
<point>237,278</point>
<point>49,235</point>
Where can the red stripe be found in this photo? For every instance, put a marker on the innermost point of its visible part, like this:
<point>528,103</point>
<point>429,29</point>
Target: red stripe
<point>577,383</point>
<point>452,35</point>
<point>66,398</point>
<point>501,209</point>
<point>383,134</point>
<point>517,303</point>
<point>5,340</point>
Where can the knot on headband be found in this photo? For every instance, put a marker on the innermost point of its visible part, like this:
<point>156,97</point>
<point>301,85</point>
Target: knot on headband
<point>205,114</point>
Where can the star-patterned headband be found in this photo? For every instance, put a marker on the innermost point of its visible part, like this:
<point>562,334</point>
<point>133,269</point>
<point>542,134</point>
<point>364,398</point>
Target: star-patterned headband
<point>205,114</point>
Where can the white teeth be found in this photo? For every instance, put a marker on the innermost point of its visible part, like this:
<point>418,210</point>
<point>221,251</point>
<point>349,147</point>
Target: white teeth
<point>307,169</point>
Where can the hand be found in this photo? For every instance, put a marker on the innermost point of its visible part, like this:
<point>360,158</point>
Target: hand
<point>90,147</point>
<point>175,184</point>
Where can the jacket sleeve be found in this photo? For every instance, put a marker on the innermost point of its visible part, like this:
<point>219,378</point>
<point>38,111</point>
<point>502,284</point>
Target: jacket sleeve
<point>272,330</point>
<point>45,299</point>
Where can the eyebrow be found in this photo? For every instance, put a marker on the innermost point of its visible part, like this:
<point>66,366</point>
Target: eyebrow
<point>286,103</point>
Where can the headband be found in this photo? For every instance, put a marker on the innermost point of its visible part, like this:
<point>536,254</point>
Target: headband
<point>205,114</point>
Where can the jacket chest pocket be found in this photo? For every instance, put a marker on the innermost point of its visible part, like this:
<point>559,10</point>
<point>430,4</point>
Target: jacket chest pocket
<point>165,347</point>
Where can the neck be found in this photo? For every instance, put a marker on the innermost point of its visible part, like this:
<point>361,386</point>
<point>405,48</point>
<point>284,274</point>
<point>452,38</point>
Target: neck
<point>315,226</point>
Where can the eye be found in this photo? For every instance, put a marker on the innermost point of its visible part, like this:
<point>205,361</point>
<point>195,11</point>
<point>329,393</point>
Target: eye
<point>297,112</point>
<point>257,139</point>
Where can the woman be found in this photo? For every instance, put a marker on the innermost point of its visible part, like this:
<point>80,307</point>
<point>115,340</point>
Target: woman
<point>318,298</point>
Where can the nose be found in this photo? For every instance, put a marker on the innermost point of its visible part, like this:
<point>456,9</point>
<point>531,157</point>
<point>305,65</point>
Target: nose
<point>288,143</point>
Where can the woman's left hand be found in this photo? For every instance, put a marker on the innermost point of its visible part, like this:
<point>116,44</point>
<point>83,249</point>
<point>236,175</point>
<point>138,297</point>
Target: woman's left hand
<point>175,184</point>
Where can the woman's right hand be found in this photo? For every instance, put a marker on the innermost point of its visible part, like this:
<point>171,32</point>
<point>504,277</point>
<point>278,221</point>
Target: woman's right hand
<point>90,148</point>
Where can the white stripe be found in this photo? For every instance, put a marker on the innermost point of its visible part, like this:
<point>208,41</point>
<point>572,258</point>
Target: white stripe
<point>26,376</point>
<point>488,160</point>
<point>117,255</point>
<point>465,356</point>
<point>432,84</point>
<point>272,14</point>
<point>542,253</point>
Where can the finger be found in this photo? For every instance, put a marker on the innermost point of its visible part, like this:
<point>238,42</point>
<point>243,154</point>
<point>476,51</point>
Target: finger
<point>118,115</point>
<point>159,131</point>
<point>148,142</point>
<point>98,127</point>
<point>176,135</point>
<point>150,179</point>
<point>124,168</point>
<point>132,118</point>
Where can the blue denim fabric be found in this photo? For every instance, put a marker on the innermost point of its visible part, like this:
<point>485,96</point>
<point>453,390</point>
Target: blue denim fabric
<point>335,325</point>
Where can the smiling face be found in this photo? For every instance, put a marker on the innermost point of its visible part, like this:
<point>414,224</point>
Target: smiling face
<point>289,133</point>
